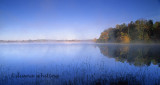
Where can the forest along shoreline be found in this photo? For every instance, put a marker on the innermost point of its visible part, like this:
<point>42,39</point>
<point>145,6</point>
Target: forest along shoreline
<point>140,31</point>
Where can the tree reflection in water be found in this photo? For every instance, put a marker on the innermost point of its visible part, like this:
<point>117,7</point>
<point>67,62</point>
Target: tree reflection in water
<point>138,55</point>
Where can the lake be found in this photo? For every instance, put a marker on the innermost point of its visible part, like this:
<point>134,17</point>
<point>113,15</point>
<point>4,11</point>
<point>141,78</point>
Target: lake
<point>79,64</point>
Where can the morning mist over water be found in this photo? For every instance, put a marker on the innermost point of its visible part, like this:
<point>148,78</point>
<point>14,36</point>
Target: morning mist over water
<point>79,42</point>
<point>79,63</point>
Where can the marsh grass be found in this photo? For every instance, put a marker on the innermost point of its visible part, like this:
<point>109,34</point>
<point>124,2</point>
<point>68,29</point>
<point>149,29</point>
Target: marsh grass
<point>107,78</point>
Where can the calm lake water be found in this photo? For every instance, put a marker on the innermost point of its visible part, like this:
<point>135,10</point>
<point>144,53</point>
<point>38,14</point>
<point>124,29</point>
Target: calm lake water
<point>79,64</point>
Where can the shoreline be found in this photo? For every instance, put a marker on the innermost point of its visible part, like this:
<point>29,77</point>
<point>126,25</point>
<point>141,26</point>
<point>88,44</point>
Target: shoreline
<point>76,42</point>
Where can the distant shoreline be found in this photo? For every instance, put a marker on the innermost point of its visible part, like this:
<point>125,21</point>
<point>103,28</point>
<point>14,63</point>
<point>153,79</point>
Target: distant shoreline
<point>34,41</point>
<point>70,41</point>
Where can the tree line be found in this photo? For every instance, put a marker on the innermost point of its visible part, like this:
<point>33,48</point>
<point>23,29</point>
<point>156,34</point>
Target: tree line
<point>138,31</point>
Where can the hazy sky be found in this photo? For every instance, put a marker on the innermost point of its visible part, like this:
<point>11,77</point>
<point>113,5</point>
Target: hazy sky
<point>69,19</point>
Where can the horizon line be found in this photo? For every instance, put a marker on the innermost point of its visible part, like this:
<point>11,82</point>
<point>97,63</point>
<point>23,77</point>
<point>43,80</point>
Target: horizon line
<point>47,39</point>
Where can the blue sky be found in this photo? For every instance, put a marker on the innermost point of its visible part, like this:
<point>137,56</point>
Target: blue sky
<point>69,19</point>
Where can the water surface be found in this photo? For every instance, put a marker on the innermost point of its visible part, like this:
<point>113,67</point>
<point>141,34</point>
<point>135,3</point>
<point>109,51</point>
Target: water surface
<point>79,63</point>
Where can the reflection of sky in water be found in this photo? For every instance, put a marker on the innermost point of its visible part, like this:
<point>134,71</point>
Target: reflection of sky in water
<point>83,62</point>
